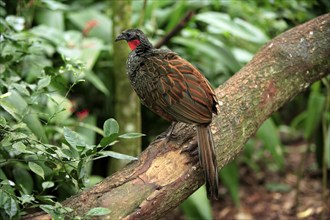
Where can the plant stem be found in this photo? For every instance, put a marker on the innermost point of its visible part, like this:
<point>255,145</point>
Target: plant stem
<point>325,130</point>
<point>300,174</point>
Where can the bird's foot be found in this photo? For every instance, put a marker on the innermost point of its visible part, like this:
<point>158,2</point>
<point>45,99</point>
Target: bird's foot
<point>192,150</point>
<point>166,137</point>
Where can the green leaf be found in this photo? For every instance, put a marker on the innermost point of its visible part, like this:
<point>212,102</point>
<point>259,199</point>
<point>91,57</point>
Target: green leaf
<point>131,135</point>
<point>47,184</point>
<point>229,176</point>
<point>209,49</point>
<point>57,211</point>
<point>10,109</point>
<point>2,175</point>
<point>73,138</point>
<point>52,34</point>
<point>278,187</point>
<point>269,135</point>
<point>98,211</point>
<point>3,121</point>
<point>327,147</point>
<point>110,127</point>
<point>90,54</point>
<point>110,140</point>
<point>18,108</point>
<point>103,25</point>
<point>11,207</point>
<point>47,208</point>
<point>97,82</point>
<point>8,204</point>
<point>26,199</point>
<point>46,199</point>
<point>55,5</point>
<point>44,82</point>
<point>51,18</point>
<point>51,164</point>
<point>222,23</point>
<point>19,147</point>
<point>23,179</point>
<point>16,22</point>
<point>314,113</point>
<point>21,89</point>
<point>37,169</point>
<point>115,155</point>
<point>197,206</point>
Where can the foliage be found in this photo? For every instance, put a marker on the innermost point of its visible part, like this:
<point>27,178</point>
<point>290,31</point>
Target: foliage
<point>220,39</point>
<point>54,77</point>
<point>197,206</point>
<point>40,152</point>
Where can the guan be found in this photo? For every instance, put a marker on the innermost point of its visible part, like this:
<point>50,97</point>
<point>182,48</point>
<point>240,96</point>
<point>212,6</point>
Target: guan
<point>174,89</point>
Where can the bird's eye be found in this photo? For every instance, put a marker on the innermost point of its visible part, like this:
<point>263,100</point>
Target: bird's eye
<point>131,36</point>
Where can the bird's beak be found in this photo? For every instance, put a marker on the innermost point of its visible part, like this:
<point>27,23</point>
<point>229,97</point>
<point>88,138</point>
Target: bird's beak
<point>120,37</point>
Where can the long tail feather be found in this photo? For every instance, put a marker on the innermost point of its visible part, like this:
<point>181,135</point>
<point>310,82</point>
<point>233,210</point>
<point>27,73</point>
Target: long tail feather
<point>208,160</point>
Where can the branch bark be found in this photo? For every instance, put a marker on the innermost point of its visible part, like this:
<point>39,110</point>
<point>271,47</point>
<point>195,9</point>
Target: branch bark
<point>163,177</point>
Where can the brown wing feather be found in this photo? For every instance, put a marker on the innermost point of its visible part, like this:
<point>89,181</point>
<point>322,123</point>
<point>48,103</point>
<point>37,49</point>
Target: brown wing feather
<point>180,90</point>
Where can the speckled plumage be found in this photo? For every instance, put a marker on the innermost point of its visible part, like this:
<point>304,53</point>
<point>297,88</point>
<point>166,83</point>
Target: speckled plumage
<point>174,89</point>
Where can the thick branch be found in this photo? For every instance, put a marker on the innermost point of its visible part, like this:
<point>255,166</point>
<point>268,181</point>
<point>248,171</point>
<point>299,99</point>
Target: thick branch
<point>162,177</point>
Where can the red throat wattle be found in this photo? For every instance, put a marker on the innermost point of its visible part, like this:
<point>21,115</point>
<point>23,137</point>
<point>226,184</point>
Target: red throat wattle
<point>133,43</point>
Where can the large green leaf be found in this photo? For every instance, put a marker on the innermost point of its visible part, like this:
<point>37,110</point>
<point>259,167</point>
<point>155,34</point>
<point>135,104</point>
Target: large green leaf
<point>115,155</point>
<point>97,82</point>
<point>55,5</point>
<point>109,140</point>
<point>98,211</point>
<point>229,176</point>
<point>43,82</point>
<point>197,206</point>
<point>208,49</point>
<point>50,18</point>
<point>8,203</point>
<point>23,179</point>
<point>16,105</point>
<point>37,169</point>
<point>84,18</point>
<point>73,138</point>
<point>327,147</point>
<point>131,135</point>
<point>91,49</point>
<point>314,113</point>
<point>222,23</point>
<point>52,34</point>
<point>269,135</point>
<point>59,108</point>
<point>110,127</point>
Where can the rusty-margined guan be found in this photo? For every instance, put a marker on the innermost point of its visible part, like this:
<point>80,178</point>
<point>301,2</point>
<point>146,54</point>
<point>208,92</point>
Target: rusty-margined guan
<point>174,89</point>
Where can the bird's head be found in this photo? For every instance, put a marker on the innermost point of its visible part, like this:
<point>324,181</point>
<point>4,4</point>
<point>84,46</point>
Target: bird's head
<point>135,38</point>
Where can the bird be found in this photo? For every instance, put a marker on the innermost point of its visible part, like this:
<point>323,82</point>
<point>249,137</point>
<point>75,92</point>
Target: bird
<point>174,89</point>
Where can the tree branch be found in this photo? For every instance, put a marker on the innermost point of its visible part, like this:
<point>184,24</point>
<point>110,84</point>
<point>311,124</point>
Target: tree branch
<point>175,30</point>
<point>163,177</point>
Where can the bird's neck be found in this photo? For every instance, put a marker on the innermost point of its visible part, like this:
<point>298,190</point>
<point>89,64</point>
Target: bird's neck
<point>133,44</point>
<point>140,46</point>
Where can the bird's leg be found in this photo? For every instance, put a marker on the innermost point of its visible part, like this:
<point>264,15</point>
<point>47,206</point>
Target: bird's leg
<point>167,137</point>
<point>170,130</point>
<point>193,150</point>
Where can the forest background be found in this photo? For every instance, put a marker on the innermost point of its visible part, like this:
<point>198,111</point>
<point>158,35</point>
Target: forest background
<point>68,117</point>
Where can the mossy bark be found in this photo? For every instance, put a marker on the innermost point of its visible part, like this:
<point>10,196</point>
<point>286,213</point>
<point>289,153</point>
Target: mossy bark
<point>164,176</point>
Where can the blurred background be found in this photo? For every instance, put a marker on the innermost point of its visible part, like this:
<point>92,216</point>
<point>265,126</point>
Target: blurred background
<point>68,116</point>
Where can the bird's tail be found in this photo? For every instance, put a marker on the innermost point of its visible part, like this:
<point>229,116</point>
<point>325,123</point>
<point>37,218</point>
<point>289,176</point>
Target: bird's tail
<point>208,160</point>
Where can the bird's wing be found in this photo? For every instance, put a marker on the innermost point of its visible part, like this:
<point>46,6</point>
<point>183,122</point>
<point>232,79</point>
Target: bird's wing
<point>178,90</point>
